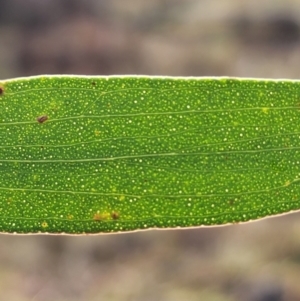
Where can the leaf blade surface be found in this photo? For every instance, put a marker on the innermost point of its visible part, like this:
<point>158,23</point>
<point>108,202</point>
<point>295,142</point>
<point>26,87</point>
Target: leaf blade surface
<point>108,154</point>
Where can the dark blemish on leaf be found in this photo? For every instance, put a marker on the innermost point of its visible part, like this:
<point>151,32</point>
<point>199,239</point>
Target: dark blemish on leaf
<point>42,119</point>
<point>1,90</point>
<point>93,84</point>
<point>100,216</point>
<point>115,215</point>
<point>97,217</point>
<point>231,202</point>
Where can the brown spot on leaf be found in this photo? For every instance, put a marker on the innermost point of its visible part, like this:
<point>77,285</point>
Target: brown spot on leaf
<point>100,216</point>
<point>97,217</point>
<point>1,90</point>
<point>231,202</point>
<point>115,215</point>
<point>42,119</point>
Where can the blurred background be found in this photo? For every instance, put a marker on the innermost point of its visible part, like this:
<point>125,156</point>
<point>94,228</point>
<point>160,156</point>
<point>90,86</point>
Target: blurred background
<point>258,261</point>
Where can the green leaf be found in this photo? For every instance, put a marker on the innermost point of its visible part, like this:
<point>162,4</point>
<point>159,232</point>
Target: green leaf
<point>109,154</point>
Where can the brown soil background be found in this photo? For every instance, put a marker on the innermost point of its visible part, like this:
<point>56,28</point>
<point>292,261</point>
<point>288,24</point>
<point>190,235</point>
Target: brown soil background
<point>258,261</point>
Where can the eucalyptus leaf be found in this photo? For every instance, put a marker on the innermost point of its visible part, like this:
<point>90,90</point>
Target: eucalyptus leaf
<point>83,154</point>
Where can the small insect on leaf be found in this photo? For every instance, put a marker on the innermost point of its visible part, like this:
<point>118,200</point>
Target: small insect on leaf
<point>42,119</point>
